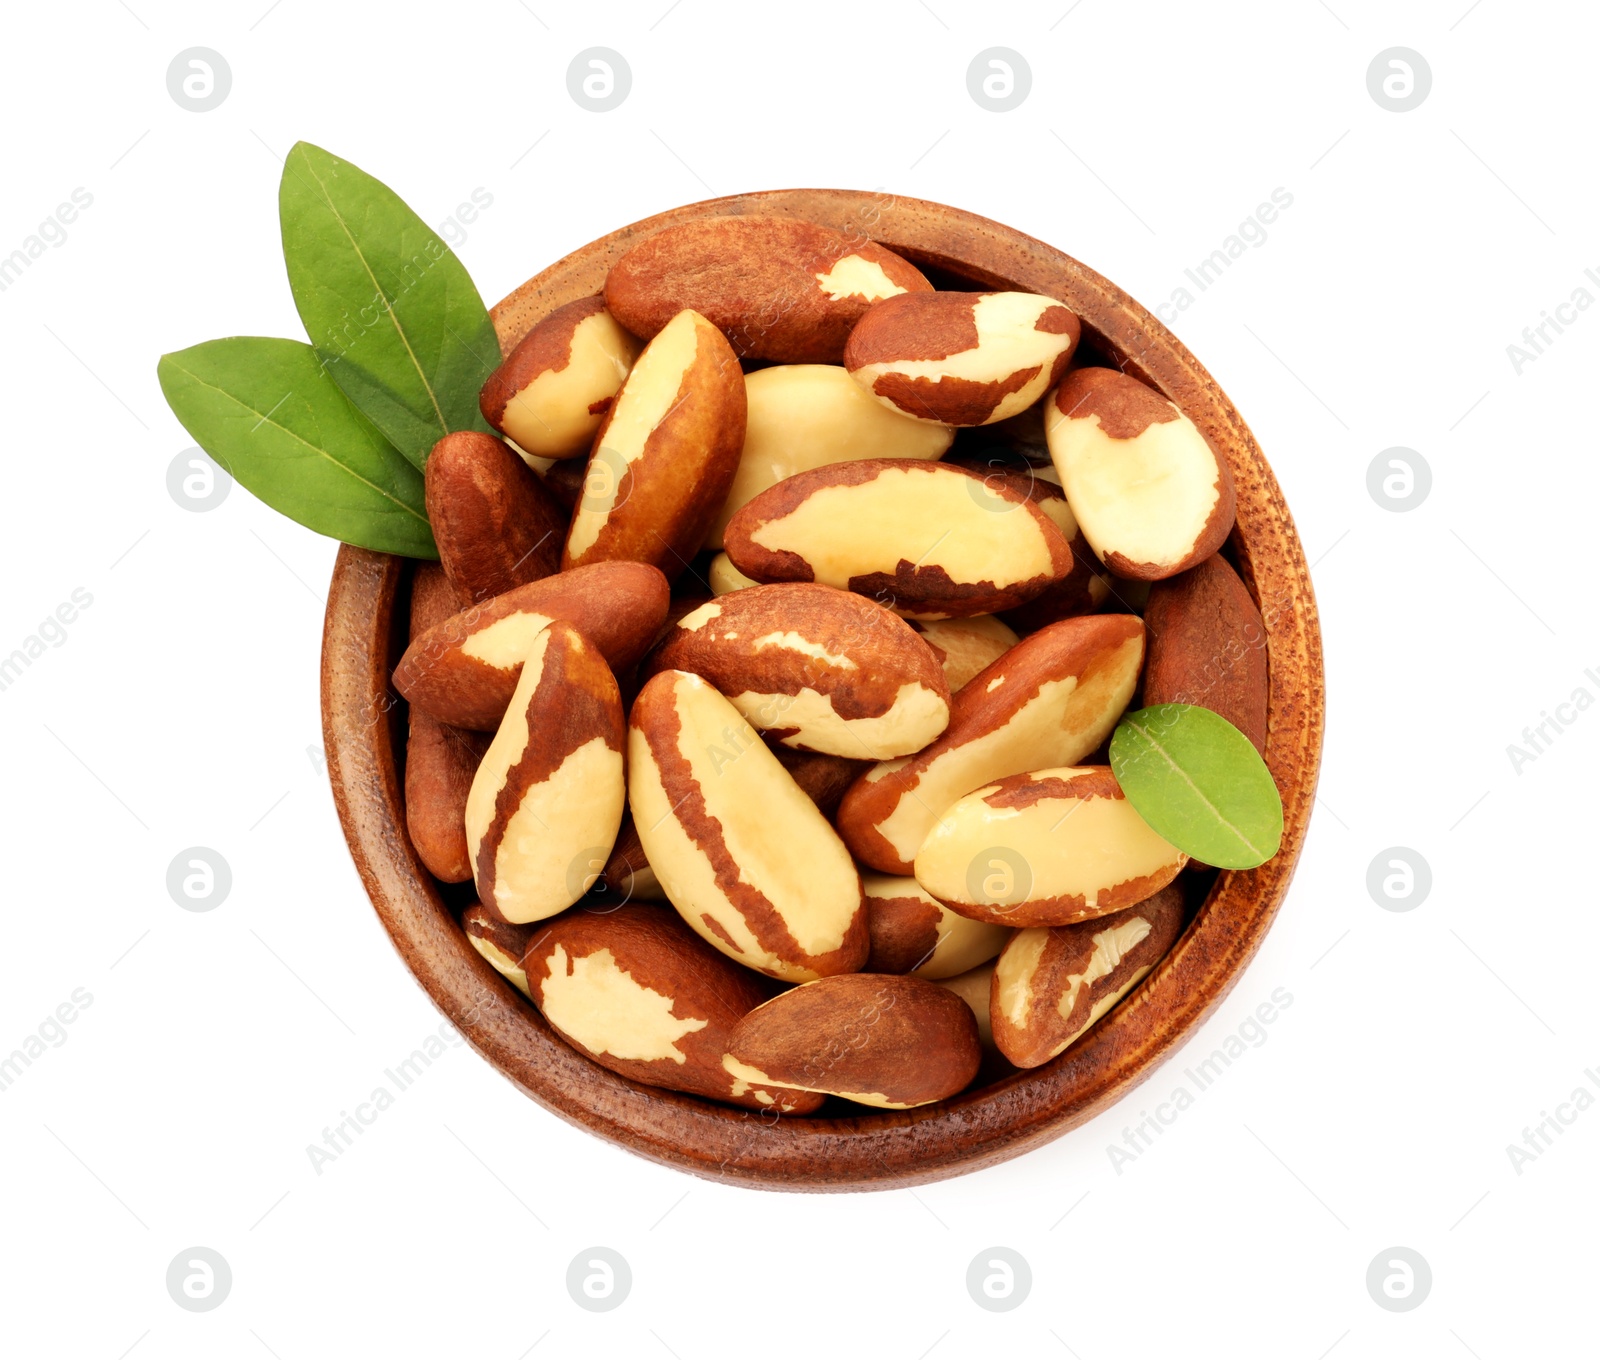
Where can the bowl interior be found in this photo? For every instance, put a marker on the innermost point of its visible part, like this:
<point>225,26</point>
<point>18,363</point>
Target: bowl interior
<point>844,1147</point>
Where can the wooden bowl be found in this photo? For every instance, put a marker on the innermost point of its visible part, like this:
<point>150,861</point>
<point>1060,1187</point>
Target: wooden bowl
<point>364,731</point>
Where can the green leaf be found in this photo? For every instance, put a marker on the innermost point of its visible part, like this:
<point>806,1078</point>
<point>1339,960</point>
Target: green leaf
<point>387,305</point>
<point>267,411</point>
<point>1199,782</point>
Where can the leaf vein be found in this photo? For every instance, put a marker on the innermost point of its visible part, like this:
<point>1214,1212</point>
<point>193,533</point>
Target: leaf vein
<point>321,452</point>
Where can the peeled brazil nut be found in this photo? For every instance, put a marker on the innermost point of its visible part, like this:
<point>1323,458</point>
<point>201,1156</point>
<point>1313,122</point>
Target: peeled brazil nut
<point>965,646</point>
<point>1149,491</point>
<point>1208,646</point>
<point>464,671</point>
<point>724,577</point>
<point>499,942</point>
<point>637,991</point>
<point>974,987</point>
<point>962,358</point>
<point>1050,986</point>
<point>741,852</point>
<point>626,874</point>
<point>1045,848</point>
<point>496,525</point>
<point>803,416</point>
<point>665,455</point>
<point>926,539</point>
<point>816,669</point>
<point>914,933</point>
<point>1050,700</point>
<point>440,759</point>
<point>1085,588</point>
<point>876,1039</point>
<point>777,288</point>
<point>552,391</point>
<point>548,798</point>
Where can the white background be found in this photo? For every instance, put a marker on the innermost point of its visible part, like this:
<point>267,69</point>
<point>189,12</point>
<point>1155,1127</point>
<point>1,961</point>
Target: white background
<point>181,709</point>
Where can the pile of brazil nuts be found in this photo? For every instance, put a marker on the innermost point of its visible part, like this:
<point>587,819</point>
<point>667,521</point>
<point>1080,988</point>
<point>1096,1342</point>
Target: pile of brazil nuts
<point>763,686</point>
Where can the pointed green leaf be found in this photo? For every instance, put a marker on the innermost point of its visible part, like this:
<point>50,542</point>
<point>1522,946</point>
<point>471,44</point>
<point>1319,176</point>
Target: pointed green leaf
<point>267,411</point>
<point>1199,782</point>
<point>387,305</point>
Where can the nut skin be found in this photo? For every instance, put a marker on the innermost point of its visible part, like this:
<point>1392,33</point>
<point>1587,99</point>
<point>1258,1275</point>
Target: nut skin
<point>552,391</point>
<point>874,1038</point>
<point>499,942</point>
<point>1042,969</point>
<point>929,540</point>
<point>1208,646</point>
<point>1150,493</point>
<point>577,964</point>
<point>548,798</point>
<point>1065,844</point>
<point>962,358</point>
<point>618,606</point>
<point>822,778</point>
<point>912,932</point>
<point>496,525</point>
<point>814,669</point>
<point>757,279</point>
<point>1052,699</point>
<point>665,455</point>
<point>440,759</point>
<point>740,850</point>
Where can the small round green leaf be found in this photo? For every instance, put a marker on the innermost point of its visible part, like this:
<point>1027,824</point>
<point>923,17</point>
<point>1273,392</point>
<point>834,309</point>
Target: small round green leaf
<point>1198,781</point>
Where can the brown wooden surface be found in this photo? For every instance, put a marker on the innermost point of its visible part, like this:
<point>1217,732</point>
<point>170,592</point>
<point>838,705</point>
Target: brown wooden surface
<point>881,1149</point>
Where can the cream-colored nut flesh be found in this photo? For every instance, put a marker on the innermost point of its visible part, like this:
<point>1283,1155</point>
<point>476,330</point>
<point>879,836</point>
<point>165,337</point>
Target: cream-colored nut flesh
<point>966,646</point>
<point>509,968</point>
<point>1008,343</point>
<point>803,416</point>
<point>958,942</point>
<point>1014,976</point>
<point>1148,499</point>
<point>645,400</point>
<point>506,642</point>
<point>577,806</point>
<point>607,1010</point>
<point>756,1077</point>
<point>916,718</point>
<point>742,853</point>
<point>1045,848</point>
<point>816,669</point>
<point>903,515</point>
<point>555,416</point>
<point>1061,724</point>
<point>855,276</point>
<point>975,987</point>
<point>725,577</point>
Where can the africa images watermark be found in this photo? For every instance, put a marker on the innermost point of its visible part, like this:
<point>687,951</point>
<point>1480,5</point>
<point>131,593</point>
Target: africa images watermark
<point>52,629</point>
<point>338,1139</point>
<point>1542,735</point>
<point>1249,234</point>
<point>50,1031</point>
<point>1538,1139</point>
<point>1249,1033</point>
<point>51,232</point>
<point>1538,338</point>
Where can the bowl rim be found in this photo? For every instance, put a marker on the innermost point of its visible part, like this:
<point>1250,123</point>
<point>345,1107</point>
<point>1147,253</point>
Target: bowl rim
<point>362,726</point>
